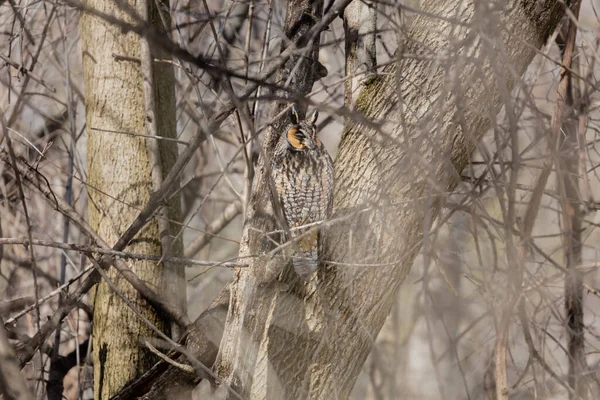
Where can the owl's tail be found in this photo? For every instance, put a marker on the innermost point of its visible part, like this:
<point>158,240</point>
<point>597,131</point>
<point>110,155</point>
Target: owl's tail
<point>306,257</point>
<point>305,265</point>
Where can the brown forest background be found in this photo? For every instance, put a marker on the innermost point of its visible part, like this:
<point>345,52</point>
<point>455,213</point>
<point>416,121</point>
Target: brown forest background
<point>440,339</point>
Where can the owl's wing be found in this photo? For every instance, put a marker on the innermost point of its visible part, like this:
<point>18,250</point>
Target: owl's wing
<point>302,201</point>
<point>306,195</point>
<point>327,182</point>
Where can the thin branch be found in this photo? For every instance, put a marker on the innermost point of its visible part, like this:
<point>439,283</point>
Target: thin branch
<point>72,300</point>
<point>170,180</point>
<point>54,386</point>
<point>10,306</point>
<point>18,179</point>
<point>567,166</point>
<point>90,250</point>
<point>40,183</point>
<point>533,351</point>
<point>53,293</point>
<point>22,95</point>
<point>184,367</point>
<point>228,215</point>
<point>556,124</point>
<point>27,72</point>
<point>517,254</point>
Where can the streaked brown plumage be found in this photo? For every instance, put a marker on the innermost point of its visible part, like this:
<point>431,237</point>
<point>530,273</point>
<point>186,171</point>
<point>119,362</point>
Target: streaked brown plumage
<point>303,176</point>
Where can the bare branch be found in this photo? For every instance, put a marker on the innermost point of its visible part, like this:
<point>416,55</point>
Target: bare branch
<point>567,166</point>
<point>25,71</point>
<point>118,254</point>
<point>228,215</point>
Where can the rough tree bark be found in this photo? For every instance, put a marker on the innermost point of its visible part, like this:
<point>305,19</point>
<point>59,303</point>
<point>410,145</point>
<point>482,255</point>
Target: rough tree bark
<point>120,184</point>
<point>360,28</point>
<point>288,339</point>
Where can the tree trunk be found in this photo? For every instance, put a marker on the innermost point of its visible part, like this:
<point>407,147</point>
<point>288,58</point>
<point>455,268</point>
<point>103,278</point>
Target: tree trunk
<point>240,355</point>
<point>120,183</point>
<point>360,31</point>
<point>433,105</point>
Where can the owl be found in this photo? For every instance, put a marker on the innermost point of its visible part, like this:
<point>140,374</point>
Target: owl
<point>303,176</point>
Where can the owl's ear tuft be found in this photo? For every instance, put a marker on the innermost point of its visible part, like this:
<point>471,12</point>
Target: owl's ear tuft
<point>313,117</point>
<point>294,115</point>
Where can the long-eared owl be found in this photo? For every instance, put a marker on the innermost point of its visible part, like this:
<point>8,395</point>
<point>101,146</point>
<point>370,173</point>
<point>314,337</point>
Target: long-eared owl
<point>303,176</point>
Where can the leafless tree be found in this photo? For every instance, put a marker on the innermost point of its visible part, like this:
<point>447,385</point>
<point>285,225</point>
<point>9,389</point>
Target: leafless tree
<point>144,254</point>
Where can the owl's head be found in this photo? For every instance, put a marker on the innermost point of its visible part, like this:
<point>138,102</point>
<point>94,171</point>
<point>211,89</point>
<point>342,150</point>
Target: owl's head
<point>302,134</point>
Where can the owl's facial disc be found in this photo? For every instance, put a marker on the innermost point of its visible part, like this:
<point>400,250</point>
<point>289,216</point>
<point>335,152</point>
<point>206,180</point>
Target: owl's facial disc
<point>299,140</point>
<point>294,139</point>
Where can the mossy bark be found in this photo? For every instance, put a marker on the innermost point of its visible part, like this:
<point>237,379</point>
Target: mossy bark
<point>432,108</point>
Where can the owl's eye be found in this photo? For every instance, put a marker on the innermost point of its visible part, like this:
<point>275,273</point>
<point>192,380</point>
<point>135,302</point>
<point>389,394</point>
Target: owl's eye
<point>295,138</point>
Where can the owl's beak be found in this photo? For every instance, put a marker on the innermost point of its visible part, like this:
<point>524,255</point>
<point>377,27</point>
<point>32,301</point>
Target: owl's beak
<point>311,144</point>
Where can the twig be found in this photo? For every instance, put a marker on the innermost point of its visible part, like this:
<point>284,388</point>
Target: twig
<point>53,293</point>
<point>591,290</point>
<point>170,180</point>
<point>556,124</point>
<point>25,71</point>
<point>22,21</point>
<point>533,351</point>
<point>10,306</point>
<point>54,386</point>
<point>38,181</point>
<point>13,160</point>
<point>22,95</point>
<point>584,108</point>
<point>567,167</point>
<point>184,367</point>
<point>228,215</point>
<point>87,249</point>
<point>28,350</point>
